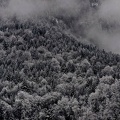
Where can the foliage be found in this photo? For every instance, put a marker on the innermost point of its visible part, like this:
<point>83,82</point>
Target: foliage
<point>46,74</point>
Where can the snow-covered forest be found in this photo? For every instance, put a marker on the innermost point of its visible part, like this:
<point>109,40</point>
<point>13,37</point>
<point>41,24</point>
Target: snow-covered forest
<point>56,66</point>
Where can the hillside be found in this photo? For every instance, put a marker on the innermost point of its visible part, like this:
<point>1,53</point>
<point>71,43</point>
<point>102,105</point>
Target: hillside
<point>47,74</point>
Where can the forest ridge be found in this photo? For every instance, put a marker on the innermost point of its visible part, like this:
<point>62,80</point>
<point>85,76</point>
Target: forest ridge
<point>51,67</point>
<point>46,74</point>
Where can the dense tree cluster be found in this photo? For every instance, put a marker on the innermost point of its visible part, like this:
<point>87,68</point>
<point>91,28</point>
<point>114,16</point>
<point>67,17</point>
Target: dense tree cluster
<point>46,74</point>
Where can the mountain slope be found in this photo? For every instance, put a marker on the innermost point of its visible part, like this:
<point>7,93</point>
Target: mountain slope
<point>46,74</point>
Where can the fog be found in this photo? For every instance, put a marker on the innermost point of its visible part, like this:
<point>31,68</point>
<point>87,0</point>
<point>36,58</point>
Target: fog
<point>100,24</point>
<point>28,8</point>
<point>110,12</point>
<point>105,30</point>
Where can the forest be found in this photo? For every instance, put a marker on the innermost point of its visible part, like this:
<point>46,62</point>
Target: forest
<point>48,71</point>
<point>47,74</point>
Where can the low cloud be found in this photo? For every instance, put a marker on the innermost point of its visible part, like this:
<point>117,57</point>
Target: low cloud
<point>27,8</point>
<point>110,10</point>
